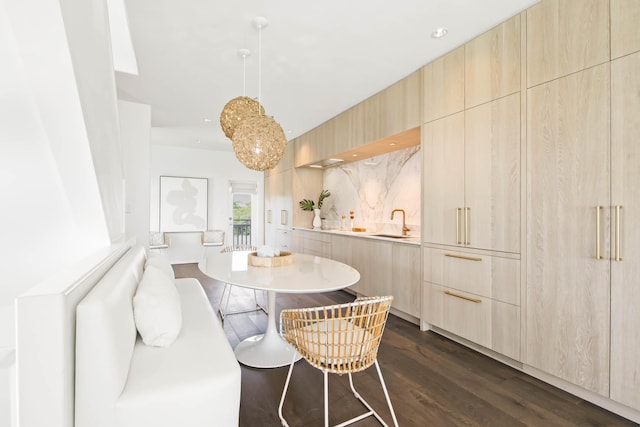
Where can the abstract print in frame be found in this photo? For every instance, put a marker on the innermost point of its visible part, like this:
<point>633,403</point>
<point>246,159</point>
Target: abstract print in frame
<point>183,204</point>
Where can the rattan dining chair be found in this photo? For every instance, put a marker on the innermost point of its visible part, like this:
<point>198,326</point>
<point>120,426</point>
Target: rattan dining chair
<point>338,339</point>
<point>223,305</point>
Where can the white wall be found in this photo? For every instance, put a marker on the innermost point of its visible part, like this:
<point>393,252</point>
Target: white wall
<point>218,167</point>
<point>135,128</point>
<point>52,212</point>
<point>87,27</point>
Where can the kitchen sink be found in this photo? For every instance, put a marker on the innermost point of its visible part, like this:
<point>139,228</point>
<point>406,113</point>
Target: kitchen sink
<point>392,236</point>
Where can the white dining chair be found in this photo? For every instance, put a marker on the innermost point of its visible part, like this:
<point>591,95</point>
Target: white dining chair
<point>338,339</point>
<point>158,241</point>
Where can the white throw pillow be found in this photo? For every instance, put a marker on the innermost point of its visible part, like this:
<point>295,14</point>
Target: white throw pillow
<point>162,264</point>
<point>157,309</point>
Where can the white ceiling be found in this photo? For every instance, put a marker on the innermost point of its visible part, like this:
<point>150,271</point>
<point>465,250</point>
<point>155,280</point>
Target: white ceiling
<point>318,58</point>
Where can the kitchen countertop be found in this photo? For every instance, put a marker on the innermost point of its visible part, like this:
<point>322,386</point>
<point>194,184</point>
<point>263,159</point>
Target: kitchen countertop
<point>411,240</point>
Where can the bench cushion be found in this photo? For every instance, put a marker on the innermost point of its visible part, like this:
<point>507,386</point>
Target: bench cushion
<point>193,382</point>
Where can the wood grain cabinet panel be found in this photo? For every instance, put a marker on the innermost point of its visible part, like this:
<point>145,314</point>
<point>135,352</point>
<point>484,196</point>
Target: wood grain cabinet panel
<point>625,37</point>
<point>472,177</point>
<point>401,105</point>
<point>492,174</point>
<point>405,278</point>
<point>489,323</point>
<point>625,273</point>
<point>443,85</point>
<point>492,64</point>
<point>373,260</point>
<point>566,36</point>
<point>443,172</point>
<point>568,176</point>
<point>489,276</point>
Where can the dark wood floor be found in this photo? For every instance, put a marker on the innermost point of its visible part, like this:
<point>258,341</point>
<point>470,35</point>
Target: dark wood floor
<point>432,381</point>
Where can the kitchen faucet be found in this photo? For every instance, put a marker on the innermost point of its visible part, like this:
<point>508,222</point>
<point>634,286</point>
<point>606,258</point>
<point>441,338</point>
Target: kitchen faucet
<point>404,225</point>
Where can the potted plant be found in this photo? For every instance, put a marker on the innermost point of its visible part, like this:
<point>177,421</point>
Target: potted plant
<point>310,205</point>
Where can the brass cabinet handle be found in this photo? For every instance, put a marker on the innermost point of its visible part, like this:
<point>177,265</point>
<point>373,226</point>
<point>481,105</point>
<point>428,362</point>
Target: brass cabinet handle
<point>598,209</point>
<point>469,258</point>
<point>467,226</point>
<point>618,254</point>
<point>458,241</point>
<point>453,294</point>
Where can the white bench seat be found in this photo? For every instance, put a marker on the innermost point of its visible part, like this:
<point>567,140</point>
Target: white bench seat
<point>165,383</point>
<point>121,382</point>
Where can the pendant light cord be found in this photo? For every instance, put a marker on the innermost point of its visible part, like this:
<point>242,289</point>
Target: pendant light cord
<point>259,68</point>
<point>244,75</point>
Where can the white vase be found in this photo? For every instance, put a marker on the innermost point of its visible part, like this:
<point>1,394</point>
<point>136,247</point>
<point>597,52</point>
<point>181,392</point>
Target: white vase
<point>317,222</point>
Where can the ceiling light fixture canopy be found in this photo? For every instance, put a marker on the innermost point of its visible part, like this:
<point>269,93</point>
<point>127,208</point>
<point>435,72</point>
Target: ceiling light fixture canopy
<point>258,140</point>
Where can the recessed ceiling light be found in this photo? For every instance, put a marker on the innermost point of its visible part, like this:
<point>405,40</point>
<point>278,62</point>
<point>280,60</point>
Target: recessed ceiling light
<point>392,144</point>
<point>439,32</point>
<point>207,120</point>
<point>354,155</point>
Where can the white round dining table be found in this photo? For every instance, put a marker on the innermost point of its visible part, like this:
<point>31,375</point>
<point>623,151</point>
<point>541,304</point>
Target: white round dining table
<point>307,274</point>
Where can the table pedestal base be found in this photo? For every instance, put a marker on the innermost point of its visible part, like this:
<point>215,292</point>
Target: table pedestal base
<point>268,350</point>
<point>262,351</point>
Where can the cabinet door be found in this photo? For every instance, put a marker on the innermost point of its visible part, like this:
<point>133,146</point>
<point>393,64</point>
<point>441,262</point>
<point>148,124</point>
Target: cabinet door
<point>443,151</point>
<point>568,176</point>
<point>443,85</point>
<point>492,64</point>
<point>406,279</point>
<point>625,274</point>
<point>625,37</point>
<point>373,260</point>
<point>565,36</point>
<point>492,175</point>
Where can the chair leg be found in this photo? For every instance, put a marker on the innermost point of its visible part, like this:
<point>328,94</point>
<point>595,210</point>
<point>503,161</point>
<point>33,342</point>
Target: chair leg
<point>222,310</point>
<point>326,399</point>
<point>365,403</point>
<point>284,391</point>
<point>386,395</point>
<point>258,305</point>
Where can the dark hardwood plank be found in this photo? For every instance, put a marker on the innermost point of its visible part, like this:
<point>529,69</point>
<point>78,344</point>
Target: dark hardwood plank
<point>431,379</point>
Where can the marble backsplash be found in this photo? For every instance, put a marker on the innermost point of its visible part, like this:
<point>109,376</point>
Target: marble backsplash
<point>372,188</point>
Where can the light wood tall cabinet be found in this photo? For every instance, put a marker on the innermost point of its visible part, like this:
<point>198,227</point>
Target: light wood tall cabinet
<point>625,230</point>
<point>284,186</point>
<point>568,186</point>
<point>472,191</point>
<point>583,227</point>
<point>278,202</point>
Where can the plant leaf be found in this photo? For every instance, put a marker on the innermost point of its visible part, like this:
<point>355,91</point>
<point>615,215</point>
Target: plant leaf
<point>323,195</point>
<point>307,205</point>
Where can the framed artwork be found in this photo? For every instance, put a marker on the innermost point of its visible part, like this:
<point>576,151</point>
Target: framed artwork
<point>183,204</point>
